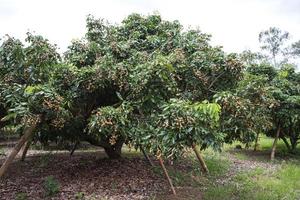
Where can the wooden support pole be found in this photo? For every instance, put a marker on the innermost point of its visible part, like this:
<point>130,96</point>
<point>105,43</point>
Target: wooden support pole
<point>274,144</point>
<point>25,149</point>
<point>200,158</point>
<point>147,156</point>
<point>74,148</point>
<point>161,162</point>
<point>27,134</point>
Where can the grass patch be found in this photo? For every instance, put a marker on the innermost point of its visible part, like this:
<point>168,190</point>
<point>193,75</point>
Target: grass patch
<point>217,163</point>
<point>260,183</point>
<point>284,184</point>
<point>187,172</point>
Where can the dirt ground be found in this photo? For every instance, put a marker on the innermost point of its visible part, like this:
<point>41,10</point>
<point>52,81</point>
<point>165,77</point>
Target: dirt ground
<point>87,175</point>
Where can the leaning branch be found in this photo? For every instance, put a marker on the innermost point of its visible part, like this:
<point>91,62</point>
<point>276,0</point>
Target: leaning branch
<point>28,132</point>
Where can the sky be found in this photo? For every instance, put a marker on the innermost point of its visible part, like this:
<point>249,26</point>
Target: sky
<point>233,24</point>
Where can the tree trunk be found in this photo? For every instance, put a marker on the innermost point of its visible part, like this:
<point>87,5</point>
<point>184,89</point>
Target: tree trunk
<point>201,160</point>
<point>286,143</point>
<point>247,145</point>
<point>27,134</point>
<point>147,157</point>
<point>256,142</point>
<point>293,145</point>
<point>114,151</point>
<point>275,143</point>
<point>161,162</point>
<point>25,149</point>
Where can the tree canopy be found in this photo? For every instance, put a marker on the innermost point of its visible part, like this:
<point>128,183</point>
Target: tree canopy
<point>146,82</point>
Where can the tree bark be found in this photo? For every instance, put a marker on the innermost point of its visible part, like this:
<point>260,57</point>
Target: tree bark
<point>161,162</point>
<point>27,134</point>
<point>25,149</point>
<point>275,143</point>
<point>200,158</point>
<point>256,142</point>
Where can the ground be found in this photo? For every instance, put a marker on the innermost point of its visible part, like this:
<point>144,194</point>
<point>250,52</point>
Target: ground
<point>88,174</point>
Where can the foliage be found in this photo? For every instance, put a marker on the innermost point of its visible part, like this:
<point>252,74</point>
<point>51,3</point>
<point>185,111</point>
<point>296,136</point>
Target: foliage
<point>266,99</point>
<point>145,61</point>
<point>287,108</point>
<point>178,126</point>
<point>295,48</point>
<point>183,123</point>
<point>121,83</point>
<point>109,122</point>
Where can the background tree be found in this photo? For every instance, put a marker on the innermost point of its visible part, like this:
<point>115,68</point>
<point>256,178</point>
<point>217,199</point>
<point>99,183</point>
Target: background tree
<point>273,41</point>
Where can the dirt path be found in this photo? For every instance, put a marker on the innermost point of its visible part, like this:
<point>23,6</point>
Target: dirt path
<point>244,165</point>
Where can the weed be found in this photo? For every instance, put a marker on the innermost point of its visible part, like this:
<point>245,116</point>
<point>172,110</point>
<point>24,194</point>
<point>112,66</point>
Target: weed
<point>51,186</point>
<point>79,196</point>
<point>21,196</point>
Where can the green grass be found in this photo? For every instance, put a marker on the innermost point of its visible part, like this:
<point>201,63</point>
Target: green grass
<point>280,183</point>
<point>261,183</point>
<point>284,184</point>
